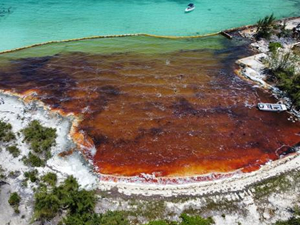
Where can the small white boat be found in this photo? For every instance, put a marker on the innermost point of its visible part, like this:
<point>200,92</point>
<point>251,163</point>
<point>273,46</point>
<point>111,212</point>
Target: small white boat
<point>271,107</point>
<point>190,7</point>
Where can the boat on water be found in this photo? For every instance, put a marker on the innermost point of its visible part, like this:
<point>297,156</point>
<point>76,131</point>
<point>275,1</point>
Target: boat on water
<point>190,7</point>
<point>271,107</point>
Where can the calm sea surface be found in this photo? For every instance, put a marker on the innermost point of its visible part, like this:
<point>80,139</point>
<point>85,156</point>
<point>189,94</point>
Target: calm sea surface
<point>25,22</point>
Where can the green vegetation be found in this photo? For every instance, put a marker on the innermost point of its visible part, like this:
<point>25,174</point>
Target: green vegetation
<point>41,138</point>
<point>265,27</point>
<point>152,210</point>
<point>283,69</point>
<point>6,134</point>
<point>2,176</point>
<point>31,175</point>
<point>161,222</point>
<point>113,218</point>
<point>50,178</point>
<point>195,220</point>
<point>14,201</point>
<point>14,150</point>
<point>292,221</point>
<point>79,204</point>
<point>33,160</point>
<point>186,220</point>
<point>274,46</point>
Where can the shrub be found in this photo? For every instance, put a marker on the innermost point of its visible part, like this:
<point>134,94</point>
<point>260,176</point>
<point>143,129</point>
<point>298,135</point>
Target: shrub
<point>14,150</point>
<point>291,221</point>
<point>6,134</point>
<point>2,176</point>
<point>40,138</point>
<point>159,222</point>
<point>50,178</point>
<point>46,205</point>
<point>86,219</point>
<point>31,175</point>
<point>78,203</point>
<point>114,218</point>
<point>14,200</point>
<point>33,160</point>
<point>265,27</point>
<point>283,67</point>
<point>274,46</point>
<point>195,220</point>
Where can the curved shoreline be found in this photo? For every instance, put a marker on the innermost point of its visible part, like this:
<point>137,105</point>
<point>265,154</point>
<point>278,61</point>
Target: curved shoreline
<point>207,184</point>
<point>222,32</point>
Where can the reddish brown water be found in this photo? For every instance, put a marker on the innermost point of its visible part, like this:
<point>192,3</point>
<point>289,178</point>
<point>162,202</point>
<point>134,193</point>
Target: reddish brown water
<point>180,113</point>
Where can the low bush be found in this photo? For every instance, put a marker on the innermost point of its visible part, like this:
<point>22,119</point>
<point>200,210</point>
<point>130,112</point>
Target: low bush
<point>283,69</point>
<point>31,175</point>
<point>6,134</point>
<point>14,200</point>
<point>274,46</point>
<point>50,178</point>
<point>40,138</point>
<point>46,205</point>
<point>186,220</point>
<point>195,220</point>
<point>161,222</point>
<point>79,204</point>
<point>291,221</point>
<point>33,160</point>
<point>114,218</point>
<point>14,150</point>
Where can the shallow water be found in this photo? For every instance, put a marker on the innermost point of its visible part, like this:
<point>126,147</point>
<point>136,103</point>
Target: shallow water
<point>33,21</point>
<point>156,106</point>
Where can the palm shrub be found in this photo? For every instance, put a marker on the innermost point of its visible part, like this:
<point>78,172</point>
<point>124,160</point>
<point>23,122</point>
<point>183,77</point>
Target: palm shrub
<point>265,27</point>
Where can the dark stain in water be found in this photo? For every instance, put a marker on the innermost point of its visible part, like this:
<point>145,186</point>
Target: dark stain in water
<point>174,114</point>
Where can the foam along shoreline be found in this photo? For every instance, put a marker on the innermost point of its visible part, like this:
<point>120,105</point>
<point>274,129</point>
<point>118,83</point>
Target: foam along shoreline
<point>19,113</point>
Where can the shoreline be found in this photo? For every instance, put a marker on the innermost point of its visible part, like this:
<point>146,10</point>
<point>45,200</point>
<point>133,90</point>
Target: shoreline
<point>208,184</point>
<point>225,33</point>
<point>149,185</point>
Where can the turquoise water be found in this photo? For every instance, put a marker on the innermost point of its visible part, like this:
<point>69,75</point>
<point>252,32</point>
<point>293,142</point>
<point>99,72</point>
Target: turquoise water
<point>35,21</point>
